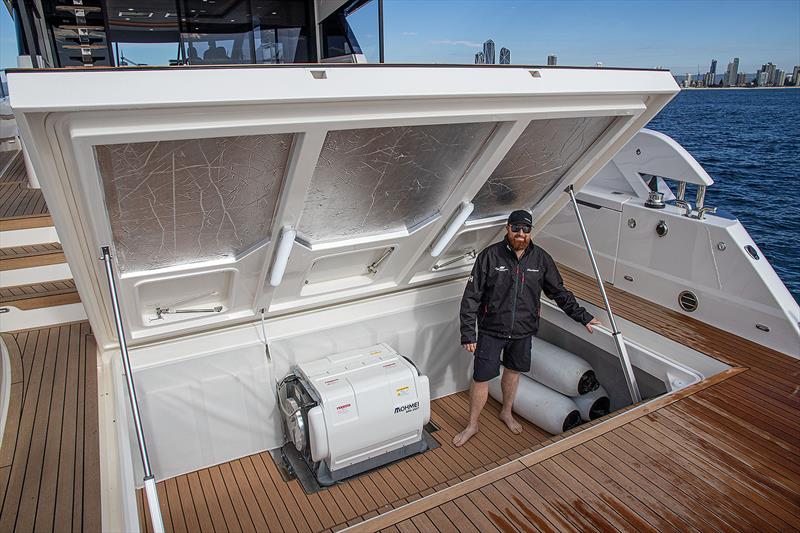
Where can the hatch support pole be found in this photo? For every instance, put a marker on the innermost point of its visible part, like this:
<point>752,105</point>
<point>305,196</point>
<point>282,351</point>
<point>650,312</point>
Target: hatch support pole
<point>627,369</point>
<point>149,478</point>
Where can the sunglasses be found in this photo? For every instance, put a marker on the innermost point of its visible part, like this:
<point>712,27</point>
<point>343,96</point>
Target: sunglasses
<point>524,228</point>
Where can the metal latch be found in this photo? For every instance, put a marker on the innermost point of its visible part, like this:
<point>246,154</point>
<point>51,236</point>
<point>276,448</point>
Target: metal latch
<point>161,311</point>
<point>472,254</point>
<point>373,268</point>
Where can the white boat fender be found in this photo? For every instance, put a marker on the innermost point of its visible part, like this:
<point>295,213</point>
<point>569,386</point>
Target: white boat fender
<point>561,370</point>
<point>593,404</point>
<point>541,405</point>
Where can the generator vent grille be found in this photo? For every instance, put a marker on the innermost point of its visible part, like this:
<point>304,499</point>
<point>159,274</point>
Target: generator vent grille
<point>688,301</point>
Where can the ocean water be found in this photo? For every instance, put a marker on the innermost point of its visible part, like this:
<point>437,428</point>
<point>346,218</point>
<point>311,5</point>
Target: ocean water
<point>749,142</point>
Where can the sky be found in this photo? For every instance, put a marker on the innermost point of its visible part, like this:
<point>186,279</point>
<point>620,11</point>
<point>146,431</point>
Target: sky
<point>680,35</point>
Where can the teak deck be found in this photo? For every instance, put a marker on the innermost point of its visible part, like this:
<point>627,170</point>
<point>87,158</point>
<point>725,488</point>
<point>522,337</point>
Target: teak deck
<point>21,207</point>
<point>50,456</point>
<point>721,454</point>
<point>33,255</point>
<point>39,295</point>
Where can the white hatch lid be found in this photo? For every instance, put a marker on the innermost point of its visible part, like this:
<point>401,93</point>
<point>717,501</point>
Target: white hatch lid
<point>195,176</point>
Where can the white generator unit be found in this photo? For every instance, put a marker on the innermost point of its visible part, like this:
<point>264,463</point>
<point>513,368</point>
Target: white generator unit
<point>350,412</point>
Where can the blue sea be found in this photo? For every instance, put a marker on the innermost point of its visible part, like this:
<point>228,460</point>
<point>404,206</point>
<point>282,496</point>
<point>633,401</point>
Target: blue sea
<point>749,142</point>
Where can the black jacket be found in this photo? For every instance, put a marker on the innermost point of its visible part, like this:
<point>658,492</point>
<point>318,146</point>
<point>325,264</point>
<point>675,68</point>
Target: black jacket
<point>502,294</point>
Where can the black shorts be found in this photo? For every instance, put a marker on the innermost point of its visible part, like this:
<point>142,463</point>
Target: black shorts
<point>516,356</point>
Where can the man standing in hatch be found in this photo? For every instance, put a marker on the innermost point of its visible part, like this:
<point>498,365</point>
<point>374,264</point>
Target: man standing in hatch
<point>502,297</point>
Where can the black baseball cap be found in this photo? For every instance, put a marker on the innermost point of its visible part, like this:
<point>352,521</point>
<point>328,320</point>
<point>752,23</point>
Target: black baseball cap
<point>520,216</point>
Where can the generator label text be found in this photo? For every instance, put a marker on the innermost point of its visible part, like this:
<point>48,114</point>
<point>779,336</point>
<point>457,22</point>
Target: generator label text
<point>406,408</point>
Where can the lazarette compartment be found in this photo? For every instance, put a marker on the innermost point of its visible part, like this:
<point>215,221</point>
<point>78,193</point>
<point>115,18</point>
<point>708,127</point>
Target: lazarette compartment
<point>217,400</point>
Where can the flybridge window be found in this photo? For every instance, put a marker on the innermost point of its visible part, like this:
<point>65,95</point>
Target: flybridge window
<point>372,181</point>
<point>542,155</point>
<point>186,201</point>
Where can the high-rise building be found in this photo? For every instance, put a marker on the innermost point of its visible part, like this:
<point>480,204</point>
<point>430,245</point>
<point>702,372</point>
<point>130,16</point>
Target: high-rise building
<point>711,77</point>
<point>780,78</point>
<point>796,76</point>
<point>741,79</point>
<point>769,70</point>
<point>479,58</point>
<point>488,52</point>
<point>552,60</point>
<point>505,56</point>
<point>761,78</point>
<point>732,73</point>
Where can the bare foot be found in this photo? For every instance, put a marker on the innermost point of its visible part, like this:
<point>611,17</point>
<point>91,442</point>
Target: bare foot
<point>464,436</point>
<point>513,425</point>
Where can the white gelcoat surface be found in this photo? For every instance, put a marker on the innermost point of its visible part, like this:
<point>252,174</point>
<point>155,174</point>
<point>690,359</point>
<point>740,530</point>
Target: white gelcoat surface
<point>16,319</point>
<point>735,291</point>
<point>40,274</point>
<point>25,237</point>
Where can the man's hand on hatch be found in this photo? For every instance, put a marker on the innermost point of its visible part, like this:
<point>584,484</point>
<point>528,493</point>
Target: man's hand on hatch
<point>593,322</point>
<point>470,347</point>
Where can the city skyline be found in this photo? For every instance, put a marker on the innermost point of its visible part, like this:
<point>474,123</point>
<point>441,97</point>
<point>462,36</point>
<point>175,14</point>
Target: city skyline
<point>768,75</point>
<point>654,34</point>
<point>581,33</point>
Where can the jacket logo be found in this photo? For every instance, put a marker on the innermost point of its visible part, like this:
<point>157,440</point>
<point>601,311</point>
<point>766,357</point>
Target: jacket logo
<point>532,269</point>
<point>501,268</point>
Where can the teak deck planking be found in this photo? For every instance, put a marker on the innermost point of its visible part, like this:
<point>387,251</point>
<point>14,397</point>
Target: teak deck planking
<point>257,497</point>
<point>21,207</point>
<point>40,295</point>
<point>33,255</point>
<point>50,456</point>
<point>12,167</point>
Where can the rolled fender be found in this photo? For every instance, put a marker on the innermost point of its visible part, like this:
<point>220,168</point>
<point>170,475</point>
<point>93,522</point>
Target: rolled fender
<point>593,404</point>
<point>561,370</point>
<point>541,405</point>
